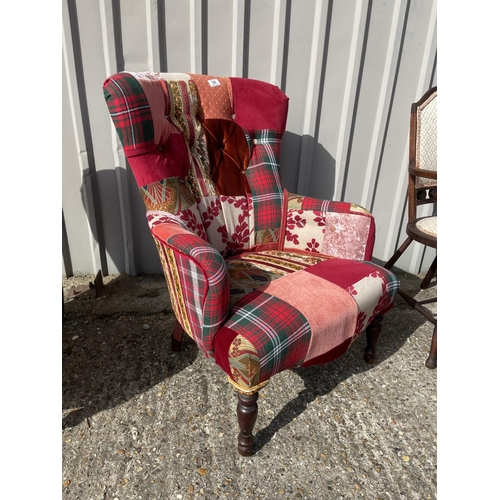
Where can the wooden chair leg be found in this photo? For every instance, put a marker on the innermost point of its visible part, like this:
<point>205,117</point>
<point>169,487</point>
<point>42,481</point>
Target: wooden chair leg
<point>430,274</point>
<point>398,253</point>
<point>431,361</point>
<point>177,337</point>
<point>246,410</point>
<point>373,331</point>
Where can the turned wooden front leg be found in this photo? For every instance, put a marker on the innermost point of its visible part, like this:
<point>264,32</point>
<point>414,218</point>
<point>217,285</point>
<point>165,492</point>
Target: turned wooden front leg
<point>431,361</point>
<point>373,331</point>
<point>247,415</point>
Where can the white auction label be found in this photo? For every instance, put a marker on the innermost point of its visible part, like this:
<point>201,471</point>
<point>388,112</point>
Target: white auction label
<point>214,82</point>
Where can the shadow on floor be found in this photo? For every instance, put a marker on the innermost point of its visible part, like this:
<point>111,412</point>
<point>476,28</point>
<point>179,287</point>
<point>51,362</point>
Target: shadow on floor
<point>110,356</point>
<point>399,324</point>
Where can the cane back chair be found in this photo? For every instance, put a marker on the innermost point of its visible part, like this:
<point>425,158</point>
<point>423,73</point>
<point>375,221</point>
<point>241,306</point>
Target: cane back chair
<point>261,279</point>
<point>422,190</point>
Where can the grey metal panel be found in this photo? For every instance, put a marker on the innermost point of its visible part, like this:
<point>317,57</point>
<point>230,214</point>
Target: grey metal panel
<point>351,68</point>
<point>77,197</point>
<point>300,81</point>
<point>139,28</point>
<point>259,47</point>
<point>99,139</point>
<point>78,238</point>
<point>177,37</point>
<point>219,30</point>
<point>342,53</point>
<point>413,79</point>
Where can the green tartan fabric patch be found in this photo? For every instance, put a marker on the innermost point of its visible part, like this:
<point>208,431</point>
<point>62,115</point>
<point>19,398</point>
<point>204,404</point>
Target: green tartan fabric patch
<point>278,331</point>
<point>130,112</point>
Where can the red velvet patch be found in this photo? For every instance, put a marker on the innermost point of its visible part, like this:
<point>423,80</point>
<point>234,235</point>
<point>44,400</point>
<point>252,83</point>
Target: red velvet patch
<point>222,342</point>
<point>229,155</point>
<point>370,243</point>
<point>342,272</point>
<point>335,353</point>
<point>258,105</point>
<point>171,161</point>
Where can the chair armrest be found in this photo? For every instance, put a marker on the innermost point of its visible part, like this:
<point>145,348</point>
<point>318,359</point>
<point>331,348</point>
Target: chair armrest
<point>334,228</point>
<point>197,278</point>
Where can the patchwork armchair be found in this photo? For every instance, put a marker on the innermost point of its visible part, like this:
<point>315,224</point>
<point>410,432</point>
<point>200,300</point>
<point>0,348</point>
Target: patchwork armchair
<point>261,279</point>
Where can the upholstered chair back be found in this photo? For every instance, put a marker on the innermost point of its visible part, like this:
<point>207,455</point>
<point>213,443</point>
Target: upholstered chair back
<point>205,151</point>
<point>426,139</point>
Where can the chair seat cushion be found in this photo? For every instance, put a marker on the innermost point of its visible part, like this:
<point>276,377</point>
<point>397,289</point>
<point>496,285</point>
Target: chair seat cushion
<point>428,225</point>
<point>251,270</point>
<point>290,310</point>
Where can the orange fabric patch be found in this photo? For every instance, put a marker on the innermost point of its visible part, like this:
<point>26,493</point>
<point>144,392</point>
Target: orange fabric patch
<point>229,156</point>
<point>216,101</point>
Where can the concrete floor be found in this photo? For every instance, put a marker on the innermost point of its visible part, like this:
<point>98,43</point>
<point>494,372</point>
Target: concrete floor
<point>143,422</point>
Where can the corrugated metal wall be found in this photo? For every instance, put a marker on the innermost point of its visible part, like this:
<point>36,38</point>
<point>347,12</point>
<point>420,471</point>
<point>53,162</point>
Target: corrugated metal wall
<point>351,68</point>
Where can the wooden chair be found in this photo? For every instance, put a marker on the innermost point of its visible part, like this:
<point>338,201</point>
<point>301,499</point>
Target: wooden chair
<point>261,279</point>
<point>422,190</point>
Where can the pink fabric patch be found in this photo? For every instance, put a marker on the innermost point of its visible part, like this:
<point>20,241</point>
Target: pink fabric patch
<point>330,311</point>
<point>156,94</point>
<point>346,235</point>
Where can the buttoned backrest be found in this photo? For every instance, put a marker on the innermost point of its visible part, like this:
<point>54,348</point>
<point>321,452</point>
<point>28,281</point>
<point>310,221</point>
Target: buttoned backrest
<point>205,151</point>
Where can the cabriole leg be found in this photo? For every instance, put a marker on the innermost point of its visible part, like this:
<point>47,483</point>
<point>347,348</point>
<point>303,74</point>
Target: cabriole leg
<point>373,331</point>
<point>247,415</point>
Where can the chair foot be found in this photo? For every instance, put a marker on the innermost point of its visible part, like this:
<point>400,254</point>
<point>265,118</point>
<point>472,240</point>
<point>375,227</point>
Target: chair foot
<point>373,331</point>
<point>246,410</point>
<point>177,337</point>
<point>431,361</point>
<point>430,274</point>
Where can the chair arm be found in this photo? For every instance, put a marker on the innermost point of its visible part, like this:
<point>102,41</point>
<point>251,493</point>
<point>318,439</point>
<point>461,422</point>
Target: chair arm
<point>197,278</point>
<point>334,228</point>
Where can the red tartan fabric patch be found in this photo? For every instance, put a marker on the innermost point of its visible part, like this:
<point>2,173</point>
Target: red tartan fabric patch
<point>264,179</point>
<point>203,281</point>
<point>131,114</point>
<point>278,331</point>
<point>325,205</point>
